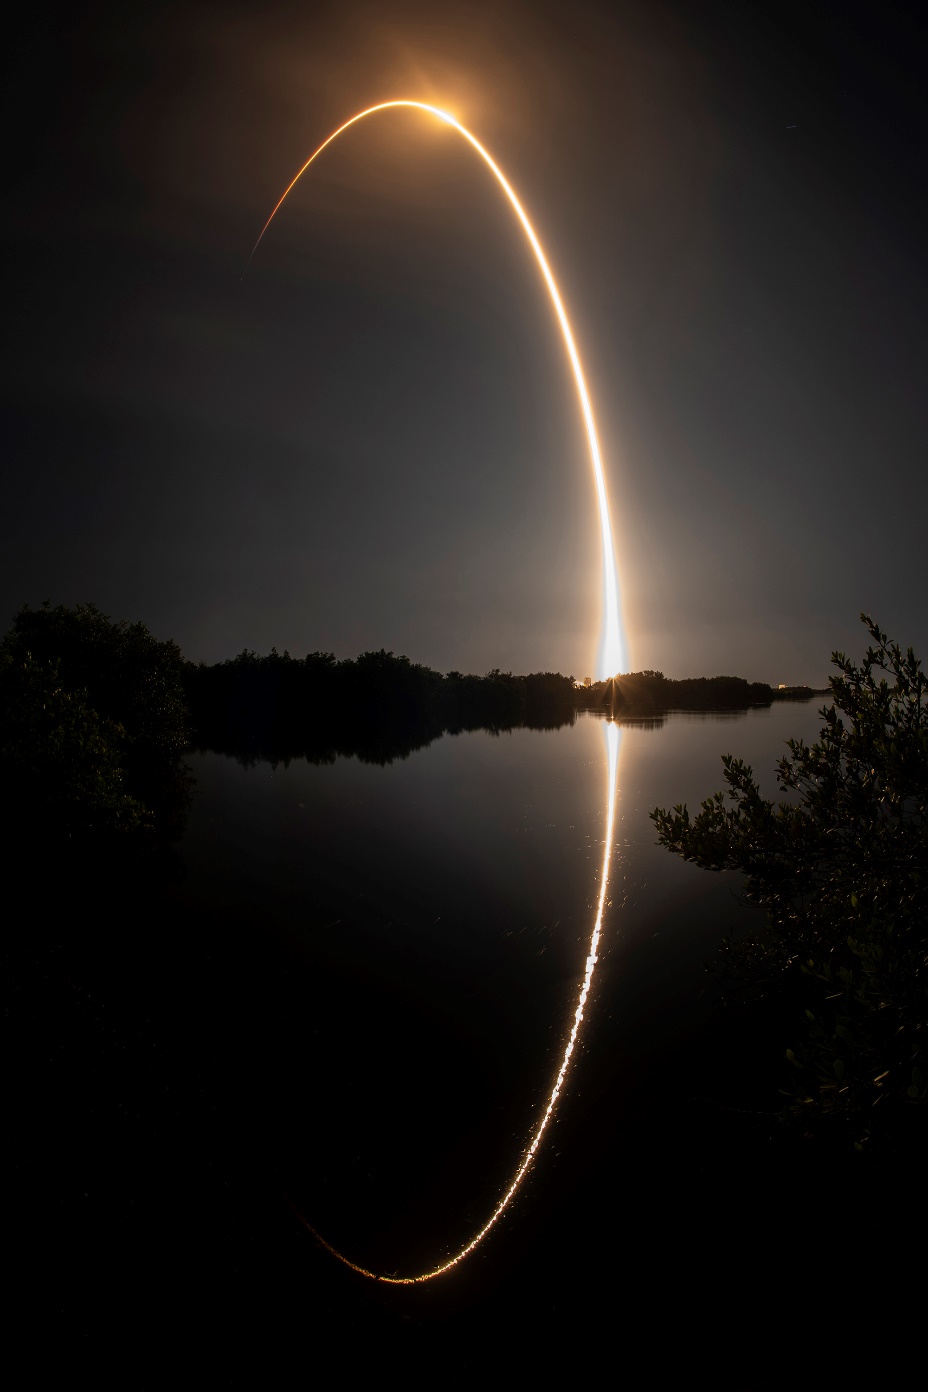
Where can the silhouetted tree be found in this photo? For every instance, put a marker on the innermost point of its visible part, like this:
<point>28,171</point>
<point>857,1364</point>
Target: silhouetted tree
<point>63,764</point>
<point>842,873</point>
<point>94,723</point>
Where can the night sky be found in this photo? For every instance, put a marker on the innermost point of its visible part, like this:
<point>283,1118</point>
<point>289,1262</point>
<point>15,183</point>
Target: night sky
<point>369,438</point>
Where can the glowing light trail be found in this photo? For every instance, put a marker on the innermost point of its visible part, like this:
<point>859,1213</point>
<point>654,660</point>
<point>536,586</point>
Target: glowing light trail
<point>611,660</point>
<point>612,657</point>
<point>613,740</point>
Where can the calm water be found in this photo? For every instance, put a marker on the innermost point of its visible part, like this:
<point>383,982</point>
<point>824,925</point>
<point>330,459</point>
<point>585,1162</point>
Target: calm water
<point>428,924</point>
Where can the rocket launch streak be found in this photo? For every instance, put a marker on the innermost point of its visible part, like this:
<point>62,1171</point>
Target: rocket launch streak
<point>612,657</point>
<point>611,660</point>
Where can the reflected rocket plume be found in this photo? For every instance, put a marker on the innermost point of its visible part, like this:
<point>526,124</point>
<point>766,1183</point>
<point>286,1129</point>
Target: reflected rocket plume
<point>612,656</point>
<point>613,741</point>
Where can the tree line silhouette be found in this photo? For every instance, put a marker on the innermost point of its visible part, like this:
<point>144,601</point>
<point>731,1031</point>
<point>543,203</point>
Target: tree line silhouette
<point>97,716</point>
<point>377,706</point>
<point>652,691</point>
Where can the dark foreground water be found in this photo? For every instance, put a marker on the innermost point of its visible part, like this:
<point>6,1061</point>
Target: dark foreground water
<point>437,914</point>
<point>349,1005</point>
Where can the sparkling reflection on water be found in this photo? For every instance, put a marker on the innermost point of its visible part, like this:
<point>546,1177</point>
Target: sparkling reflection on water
<point>432,919</point>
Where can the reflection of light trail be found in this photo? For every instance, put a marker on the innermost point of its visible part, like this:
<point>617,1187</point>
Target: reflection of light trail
<point>613,740</point>
<point>612,646</point>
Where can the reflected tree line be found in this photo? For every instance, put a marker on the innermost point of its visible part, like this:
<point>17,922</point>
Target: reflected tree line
<point>98,715</point>
<point>378,707</point>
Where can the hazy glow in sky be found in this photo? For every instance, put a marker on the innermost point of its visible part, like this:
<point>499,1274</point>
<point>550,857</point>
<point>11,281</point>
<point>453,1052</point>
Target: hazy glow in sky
<point>612,648</point>
<point>730,197</point>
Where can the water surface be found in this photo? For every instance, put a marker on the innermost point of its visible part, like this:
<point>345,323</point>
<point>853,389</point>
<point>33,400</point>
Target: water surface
<point>431,920</point>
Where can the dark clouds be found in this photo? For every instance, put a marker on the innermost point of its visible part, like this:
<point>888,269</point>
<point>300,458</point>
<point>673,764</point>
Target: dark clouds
<point>371,440</point>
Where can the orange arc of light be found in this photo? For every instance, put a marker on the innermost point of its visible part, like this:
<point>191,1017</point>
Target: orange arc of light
<point>612,656</point>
